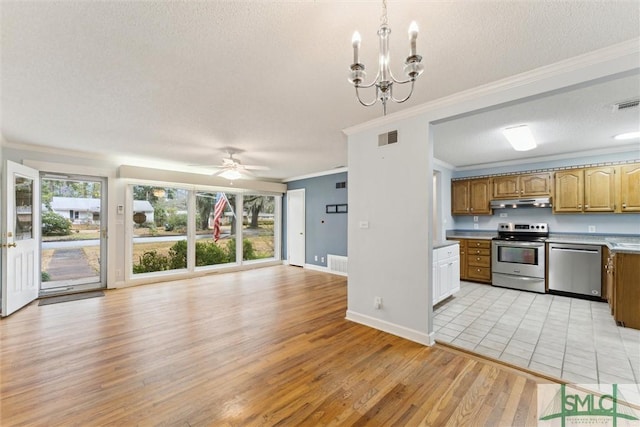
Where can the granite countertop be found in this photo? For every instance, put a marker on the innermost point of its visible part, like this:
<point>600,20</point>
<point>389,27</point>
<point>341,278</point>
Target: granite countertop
<point>625,244</point>
<point>470,234</point>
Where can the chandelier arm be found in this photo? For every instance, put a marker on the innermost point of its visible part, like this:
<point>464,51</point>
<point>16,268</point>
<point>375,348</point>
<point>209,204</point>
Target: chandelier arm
<point>401,82</point>
<point>369,104</point>
<point>375,81</point>
<point>400,101</point>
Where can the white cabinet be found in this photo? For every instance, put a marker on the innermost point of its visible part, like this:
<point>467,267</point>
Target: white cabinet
<point>446,272</point>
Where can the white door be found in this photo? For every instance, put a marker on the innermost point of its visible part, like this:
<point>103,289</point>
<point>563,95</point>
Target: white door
<point>295,227</point>
<point>21,237</point>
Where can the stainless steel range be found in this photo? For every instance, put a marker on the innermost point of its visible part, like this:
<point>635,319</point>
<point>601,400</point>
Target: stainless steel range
<point>518,256</point>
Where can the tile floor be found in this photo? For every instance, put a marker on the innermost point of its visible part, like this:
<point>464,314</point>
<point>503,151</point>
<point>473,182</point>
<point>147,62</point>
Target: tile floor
<point>573,339</point>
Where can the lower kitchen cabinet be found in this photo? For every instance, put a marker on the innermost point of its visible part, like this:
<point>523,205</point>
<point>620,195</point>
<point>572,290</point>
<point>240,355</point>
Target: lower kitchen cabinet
<point>446,272</point>
<point>475,260</point>
<point>623,292</point>
<point>478,254</point>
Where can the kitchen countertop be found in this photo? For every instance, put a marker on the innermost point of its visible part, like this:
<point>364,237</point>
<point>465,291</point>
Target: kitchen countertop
<point>444,243</point>
<point>469,234</point>
<point>624,243</point>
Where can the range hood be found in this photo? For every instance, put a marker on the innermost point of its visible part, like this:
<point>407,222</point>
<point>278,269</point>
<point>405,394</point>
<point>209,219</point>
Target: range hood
<point>541,202</point>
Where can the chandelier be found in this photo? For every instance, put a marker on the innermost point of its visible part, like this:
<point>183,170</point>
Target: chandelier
<point>384,79</point>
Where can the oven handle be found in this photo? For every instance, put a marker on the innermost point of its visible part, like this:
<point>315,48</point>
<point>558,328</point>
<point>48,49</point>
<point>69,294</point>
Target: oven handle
<point>521,244</point>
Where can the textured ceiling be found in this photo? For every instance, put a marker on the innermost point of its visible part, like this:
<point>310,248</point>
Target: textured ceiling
<point>170,84</point>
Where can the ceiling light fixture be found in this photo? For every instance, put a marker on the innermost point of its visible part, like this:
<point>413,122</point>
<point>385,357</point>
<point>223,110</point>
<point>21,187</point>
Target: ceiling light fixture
<point>384,79</point>
<point>520,138</point>
<point>628,135</point>
<point>231,174</point>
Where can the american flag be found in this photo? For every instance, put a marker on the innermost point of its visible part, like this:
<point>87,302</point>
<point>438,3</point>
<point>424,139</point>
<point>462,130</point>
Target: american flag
<point>218,210</point>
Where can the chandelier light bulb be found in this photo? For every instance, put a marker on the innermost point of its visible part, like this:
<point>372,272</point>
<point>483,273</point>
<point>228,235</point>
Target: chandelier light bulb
<point>413,36</point>
<point>355,42</point>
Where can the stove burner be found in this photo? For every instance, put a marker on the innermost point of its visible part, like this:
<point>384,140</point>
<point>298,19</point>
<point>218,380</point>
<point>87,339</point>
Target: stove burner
<point>537,232</point>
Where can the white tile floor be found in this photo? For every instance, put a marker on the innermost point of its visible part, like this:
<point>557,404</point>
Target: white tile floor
<point>573,339</point>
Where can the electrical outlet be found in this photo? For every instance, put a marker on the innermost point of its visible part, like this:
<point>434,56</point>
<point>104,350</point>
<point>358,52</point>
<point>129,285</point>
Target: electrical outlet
<point>377,303</point>
<point>315,258</point>
<point>592,229</point>
<point>322,259</point>
<point>504,215</point>
<point>475,219</point>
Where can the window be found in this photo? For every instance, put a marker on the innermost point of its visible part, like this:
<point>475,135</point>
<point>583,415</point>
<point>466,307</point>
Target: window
<point>176,229</point>
<point>215,228</point>
<point>258,227</point>
<point>160,218</point>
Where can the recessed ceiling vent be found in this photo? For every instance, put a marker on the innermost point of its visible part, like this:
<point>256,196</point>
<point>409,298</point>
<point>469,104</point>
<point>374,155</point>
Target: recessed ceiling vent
<point>626,105</point>
<point>388,138</point>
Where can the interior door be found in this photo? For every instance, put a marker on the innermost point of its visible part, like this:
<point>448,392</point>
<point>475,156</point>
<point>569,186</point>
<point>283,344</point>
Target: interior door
<point>21,237</point>
<point>296,227</point>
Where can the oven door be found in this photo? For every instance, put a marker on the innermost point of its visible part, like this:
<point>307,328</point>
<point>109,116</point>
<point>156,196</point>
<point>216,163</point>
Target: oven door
<point>518,258</point>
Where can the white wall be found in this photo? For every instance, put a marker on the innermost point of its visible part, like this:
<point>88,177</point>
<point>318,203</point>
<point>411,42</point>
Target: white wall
<point>390,188</point>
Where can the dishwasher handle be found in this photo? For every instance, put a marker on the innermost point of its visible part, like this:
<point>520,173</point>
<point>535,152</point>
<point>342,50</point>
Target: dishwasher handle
<point>579,251</point>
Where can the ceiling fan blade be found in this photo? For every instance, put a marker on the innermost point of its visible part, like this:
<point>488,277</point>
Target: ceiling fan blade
<point>256,167</point>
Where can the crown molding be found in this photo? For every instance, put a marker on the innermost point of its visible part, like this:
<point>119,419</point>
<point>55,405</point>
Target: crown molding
<point>600,63</point>
<point>316,174</point>
<point>443,164</point>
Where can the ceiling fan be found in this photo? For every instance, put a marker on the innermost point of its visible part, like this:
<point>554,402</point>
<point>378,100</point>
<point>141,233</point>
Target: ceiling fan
<point>232,168</point>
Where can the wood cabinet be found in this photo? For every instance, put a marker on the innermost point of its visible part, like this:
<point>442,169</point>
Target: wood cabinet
<point>475,260</point>
<point>525,185</point>
<point>630,188</point>
<point>446,272</point>
<point>623,270</point>
<point>470,197</point>
<point>599,189</point>
<point>585,190</point>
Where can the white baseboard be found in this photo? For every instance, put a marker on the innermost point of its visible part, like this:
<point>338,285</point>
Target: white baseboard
<point>317,268</point>
<point>392,328</point>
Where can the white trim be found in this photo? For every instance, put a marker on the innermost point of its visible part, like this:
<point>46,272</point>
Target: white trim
<point>572,155</point>
<point>317,268</point>
<point>317,174</point>
<point>391,328</point>
<point>599,63</point>
<point>442,164</point>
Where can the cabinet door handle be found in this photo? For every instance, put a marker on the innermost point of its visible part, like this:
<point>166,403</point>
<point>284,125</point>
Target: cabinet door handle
<point>624,206</point>
<point>478,259</point>
<point>471,209</point>
<point>580,206</point>
<point>586,206</point>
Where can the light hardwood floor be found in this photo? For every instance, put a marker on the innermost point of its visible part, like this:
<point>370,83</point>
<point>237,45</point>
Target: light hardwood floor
<point>261,347</point>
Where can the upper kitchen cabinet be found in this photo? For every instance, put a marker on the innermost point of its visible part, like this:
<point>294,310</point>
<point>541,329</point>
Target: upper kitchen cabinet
<point>611,189</point>
<point>569,191</point>
<point>599,189</point>
<point>525,185</point>
<point>470,197</point>
<point>630,188</point>
<point>585,190</point>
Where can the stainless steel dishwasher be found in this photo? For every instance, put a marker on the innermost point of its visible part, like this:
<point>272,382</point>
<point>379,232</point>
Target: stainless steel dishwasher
<point>575,268</point>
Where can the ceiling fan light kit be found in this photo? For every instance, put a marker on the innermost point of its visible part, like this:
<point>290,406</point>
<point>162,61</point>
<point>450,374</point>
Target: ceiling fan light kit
<point>384,80</point>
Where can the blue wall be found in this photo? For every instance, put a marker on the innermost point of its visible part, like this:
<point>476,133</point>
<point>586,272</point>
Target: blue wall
<point>558,223</point>
<point>325,233</point>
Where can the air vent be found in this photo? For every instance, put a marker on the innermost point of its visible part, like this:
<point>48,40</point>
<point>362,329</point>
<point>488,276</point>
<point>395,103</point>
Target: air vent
<point>342,184</point>
<point>625,105</point>
<point>388,138</point>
